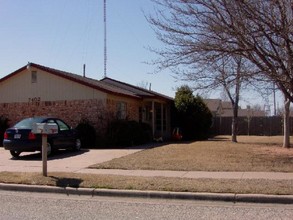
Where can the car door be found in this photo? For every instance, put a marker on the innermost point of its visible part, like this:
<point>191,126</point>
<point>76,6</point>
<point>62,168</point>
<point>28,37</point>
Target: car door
<point>65,136</point>
<point>55,139</point>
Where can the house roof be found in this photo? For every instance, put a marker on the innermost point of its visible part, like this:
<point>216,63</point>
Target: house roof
<point>213,104</point>
<point>76,78</point>
<point>244,113</point>
<point>225,109</point>
<point>135,89</point>
<point>227,105</point>
<point>106,85</point>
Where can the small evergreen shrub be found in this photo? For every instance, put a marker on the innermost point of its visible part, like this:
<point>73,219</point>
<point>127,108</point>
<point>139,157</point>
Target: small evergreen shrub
<point>128,133</point>
<point>87,133</point>
<point>192,115</point>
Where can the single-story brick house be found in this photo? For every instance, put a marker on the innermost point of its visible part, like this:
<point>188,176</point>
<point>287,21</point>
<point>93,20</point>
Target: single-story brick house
<point>38,90</point>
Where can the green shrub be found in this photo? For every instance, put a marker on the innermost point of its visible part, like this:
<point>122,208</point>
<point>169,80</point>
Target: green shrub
<point>3,126</point>
<point>192,115</point>
<point>87,133</point>
<point>128,133</point>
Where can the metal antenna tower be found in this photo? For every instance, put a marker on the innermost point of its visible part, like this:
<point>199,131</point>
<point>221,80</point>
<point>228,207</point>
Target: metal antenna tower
<point>105,40</point>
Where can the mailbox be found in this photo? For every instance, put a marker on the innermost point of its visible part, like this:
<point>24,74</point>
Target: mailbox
<point>45,128</point>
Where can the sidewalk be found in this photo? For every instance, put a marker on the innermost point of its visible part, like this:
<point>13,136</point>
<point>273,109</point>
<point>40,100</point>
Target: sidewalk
<point>200,196</point>
<point>192,174</point>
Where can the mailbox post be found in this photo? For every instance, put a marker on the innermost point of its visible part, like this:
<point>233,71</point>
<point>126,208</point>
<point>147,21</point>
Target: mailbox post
<point>44,129</point>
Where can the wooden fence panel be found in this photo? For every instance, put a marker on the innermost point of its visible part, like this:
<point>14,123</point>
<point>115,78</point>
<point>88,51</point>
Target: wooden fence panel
<point>268,126</point>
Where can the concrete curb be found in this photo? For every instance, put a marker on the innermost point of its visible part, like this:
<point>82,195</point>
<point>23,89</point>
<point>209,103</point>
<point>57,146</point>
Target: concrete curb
<point>225,197</point>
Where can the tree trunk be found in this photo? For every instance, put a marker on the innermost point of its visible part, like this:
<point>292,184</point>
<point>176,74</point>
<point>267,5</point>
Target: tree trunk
<point>235,103</point>
<point>286,140</point>
<point>234,129</point>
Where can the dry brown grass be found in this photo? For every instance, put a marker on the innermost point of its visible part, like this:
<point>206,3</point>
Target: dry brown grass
<point>251,153</point>
<point>219,154</point>
<point>276,187</point>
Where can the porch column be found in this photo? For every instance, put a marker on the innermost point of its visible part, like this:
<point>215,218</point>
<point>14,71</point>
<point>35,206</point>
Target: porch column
<point>162,120</point>
<point>153,118</point>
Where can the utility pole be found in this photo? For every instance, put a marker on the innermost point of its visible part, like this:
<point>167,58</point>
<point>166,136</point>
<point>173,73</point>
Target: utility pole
<point>105,40</point>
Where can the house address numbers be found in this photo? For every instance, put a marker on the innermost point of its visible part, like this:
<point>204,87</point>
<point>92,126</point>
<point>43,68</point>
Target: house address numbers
<point>34,100</point>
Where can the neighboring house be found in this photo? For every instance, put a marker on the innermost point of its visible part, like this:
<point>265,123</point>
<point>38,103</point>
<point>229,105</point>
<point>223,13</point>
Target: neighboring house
<point>38,90</point>
<point>214,105</point>
<point>227,111</point>
<point>250,121</point>
<point>221,108</point>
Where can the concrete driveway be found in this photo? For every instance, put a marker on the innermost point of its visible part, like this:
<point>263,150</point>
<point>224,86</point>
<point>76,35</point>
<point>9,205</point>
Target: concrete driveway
<point>61,161</point>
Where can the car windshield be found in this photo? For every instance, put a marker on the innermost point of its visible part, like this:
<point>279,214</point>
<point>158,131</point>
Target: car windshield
<point>28,122</point>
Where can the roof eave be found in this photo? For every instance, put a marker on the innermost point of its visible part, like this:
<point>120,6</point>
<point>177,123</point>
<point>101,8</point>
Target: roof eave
<point>82,82</point>
<point>54,72</point>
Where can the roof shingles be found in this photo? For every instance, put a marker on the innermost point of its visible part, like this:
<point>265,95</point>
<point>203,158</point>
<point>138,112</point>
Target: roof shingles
<point>107,85</point>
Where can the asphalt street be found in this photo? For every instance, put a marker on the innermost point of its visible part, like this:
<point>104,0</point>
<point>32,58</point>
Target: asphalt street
<point>20,205</point>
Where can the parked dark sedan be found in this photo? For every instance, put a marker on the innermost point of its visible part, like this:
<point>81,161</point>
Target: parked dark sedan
<point>20,137</point>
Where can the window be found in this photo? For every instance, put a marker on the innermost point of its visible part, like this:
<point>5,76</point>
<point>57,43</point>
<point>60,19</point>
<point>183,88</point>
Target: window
<point>62,126</point>
<point>34,76</point>
<point>121,110</point>
<point>161,112</point>
<point>148,113</point>
<point>158,118</point>
<point>140,114</point>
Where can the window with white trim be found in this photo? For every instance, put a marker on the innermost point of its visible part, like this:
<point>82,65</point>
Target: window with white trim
<point>121,110</point>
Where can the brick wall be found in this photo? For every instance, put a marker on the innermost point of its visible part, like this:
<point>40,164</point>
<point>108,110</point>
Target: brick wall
<point>98,112</point>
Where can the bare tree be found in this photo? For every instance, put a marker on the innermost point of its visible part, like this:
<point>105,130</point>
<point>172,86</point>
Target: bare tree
<point>232,79</point>
<point>193,61</point>
<point>231,74</point>
<point>286,141</point>
<point>198,30</point>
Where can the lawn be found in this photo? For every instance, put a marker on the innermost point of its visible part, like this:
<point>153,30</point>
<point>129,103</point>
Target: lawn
<point>251,153</point>
<point>219,154</point>
<point>245,186</point>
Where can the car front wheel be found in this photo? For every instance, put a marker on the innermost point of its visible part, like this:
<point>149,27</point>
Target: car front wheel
<point>77,145</point>
<point>49,149</point>
<point>15,154</point>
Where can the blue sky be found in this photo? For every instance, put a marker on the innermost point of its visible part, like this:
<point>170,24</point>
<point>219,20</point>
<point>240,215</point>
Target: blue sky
<point>65,34</point>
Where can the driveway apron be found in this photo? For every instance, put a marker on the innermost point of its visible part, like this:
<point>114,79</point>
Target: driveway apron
<point>62,161</point>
